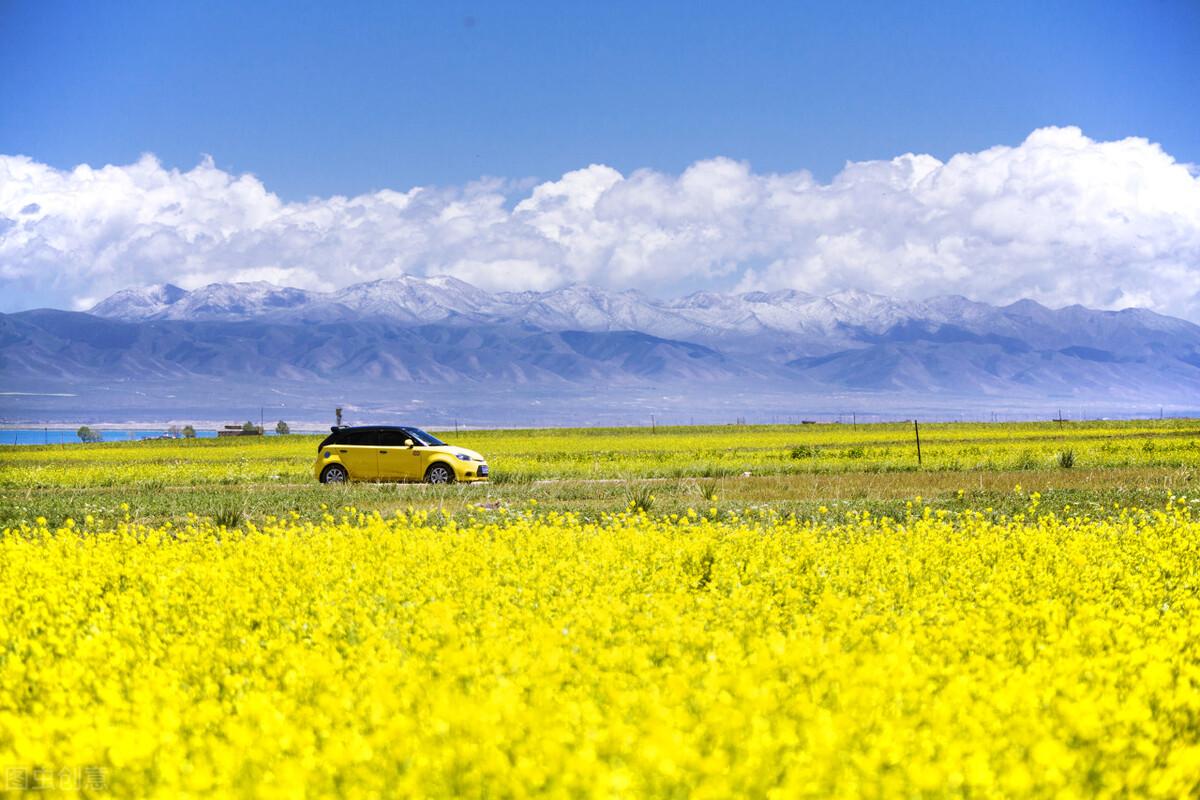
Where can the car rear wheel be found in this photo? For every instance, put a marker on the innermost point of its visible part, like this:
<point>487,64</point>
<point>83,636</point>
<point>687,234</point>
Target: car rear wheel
<point>439,473</point>
<point>334,473</point>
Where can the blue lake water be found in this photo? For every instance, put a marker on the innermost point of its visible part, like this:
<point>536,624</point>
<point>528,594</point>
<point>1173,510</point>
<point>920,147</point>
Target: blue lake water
<point>63,436</point>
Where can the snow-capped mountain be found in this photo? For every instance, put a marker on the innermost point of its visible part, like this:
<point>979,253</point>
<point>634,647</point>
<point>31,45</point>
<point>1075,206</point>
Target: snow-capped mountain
<point>217,301</point>
<point>414,300</point>
<point>406,299</point>
<point>615,352</point>
<point>794,312</point>
<point>589,309</point>
<point>789,324</point>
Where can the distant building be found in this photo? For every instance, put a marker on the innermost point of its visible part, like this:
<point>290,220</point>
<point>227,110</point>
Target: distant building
<point>239,430</point>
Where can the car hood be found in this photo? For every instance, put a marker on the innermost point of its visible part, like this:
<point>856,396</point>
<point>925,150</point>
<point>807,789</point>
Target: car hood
<point>454,451</point>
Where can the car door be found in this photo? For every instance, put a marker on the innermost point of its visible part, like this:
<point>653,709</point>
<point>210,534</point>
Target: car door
<point>397,461</point>
<point>359,453</point>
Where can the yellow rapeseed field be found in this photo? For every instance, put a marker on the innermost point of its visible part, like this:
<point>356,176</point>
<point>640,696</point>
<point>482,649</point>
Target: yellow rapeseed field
<point>519,653</point>
<point>622,453</point>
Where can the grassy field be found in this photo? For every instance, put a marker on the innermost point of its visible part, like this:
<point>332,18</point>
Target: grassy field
<point>690,612</point>
<point>791,468</point>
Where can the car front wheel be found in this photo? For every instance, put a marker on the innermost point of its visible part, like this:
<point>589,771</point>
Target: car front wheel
<point>334,473</point>
<point>439,473</point>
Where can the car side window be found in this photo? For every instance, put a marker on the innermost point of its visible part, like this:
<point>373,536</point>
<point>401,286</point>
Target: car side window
<point>392,438</point>
<point>358,438</point>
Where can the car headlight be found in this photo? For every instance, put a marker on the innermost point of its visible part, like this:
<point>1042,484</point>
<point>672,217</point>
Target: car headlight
<point>462,456</point>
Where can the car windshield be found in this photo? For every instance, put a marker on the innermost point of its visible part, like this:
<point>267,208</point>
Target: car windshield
<point>427,439</point>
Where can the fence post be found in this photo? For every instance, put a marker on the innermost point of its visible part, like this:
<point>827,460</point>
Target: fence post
<point>917,431</point>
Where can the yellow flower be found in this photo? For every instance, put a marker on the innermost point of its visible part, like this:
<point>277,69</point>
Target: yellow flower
<point>377,649</point>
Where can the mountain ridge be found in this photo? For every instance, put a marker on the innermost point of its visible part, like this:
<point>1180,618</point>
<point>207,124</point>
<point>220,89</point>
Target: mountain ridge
<point>821,322</point>
<point>443,331</point>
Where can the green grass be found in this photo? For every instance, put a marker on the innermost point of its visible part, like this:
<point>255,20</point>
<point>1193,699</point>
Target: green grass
<point>793,469</point>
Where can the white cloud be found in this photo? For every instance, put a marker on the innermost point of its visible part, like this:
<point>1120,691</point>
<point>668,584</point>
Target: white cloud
<point>1059,218</point>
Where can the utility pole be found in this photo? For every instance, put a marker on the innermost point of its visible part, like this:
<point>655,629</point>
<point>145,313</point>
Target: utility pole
<point>653,425</point>
<point>854,421</point>
<point>917,431</point>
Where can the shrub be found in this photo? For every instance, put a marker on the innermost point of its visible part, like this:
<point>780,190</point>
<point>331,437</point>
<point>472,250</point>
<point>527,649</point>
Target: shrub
<point>640,498</point>
<point>86,434</point>
<point>1066,459</point>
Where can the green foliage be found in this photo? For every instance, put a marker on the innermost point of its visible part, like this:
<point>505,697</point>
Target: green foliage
<point>590,470</point>
<point>249,427</point>
<point>641,498</point>
<point>1066,459</point>
<point>189,432</point>
<point>1027,460</point>
<point>282,428</point>
<point>86,434</point>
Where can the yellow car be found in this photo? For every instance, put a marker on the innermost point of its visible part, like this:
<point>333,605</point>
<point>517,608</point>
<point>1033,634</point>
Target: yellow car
<point>394,453</point>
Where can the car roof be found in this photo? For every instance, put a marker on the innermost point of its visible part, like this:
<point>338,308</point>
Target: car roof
<point>338,430</point>
<point>344,428</point>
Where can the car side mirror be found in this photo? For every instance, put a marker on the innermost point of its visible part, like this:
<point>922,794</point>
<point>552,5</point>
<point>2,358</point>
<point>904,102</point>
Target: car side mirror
<point>408,442</point>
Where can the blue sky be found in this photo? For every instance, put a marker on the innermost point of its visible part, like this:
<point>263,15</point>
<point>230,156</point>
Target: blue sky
<point>664,147</point>
<point>332,98</point>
